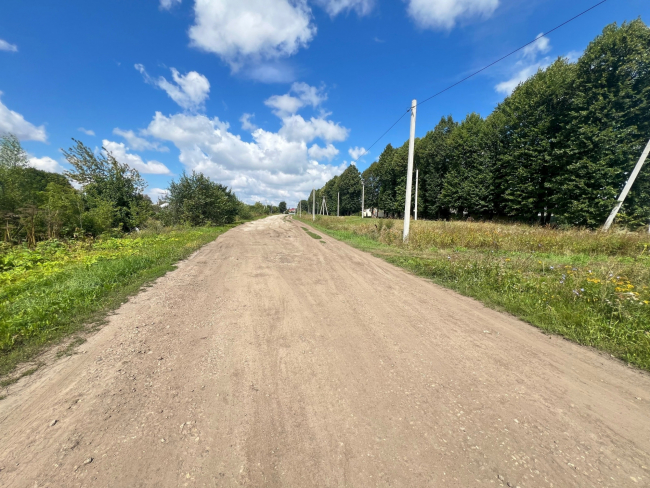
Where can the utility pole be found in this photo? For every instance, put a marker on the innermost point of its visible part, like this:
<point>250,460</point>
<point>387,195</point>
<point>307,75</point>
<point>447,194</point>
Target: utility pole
<point>416,193</point>
<point>626,190</point>
<point>300,208</point>
<point>323,208</point>
<point>363,196</point>
<point>313,206</point>
<point>409,174</point>
<point>338,203</point>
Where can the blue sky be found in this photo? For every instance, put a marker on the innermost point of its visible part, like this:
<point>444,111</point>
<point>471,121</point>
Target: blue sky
<point>270,97</point>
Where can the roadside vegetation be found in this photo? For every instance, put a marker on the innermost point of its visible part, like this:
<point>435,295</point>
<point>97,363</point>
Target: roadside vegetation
<point>512,199</point>
<point>55,288</point>
<point>590,287</point>
<point>311,234</point>
<point>76,245</point>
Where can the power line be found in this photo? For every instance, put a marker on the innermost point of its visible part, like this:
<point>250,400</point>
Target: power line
<point>382,136</point>
<point>483,69</point>
<point>513,52</point>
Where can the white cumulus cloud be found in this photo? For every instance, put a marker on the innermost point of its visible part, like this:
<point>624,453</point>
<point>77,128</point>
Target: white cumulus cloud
<point>246,123</point>
<point>88,132</point>
<point>335,7</point>
<point>244,31</point>
<point>527,65</point>
<point>296,128</point>
<point>542,45</point>
<point>139,143</point>
<point>300,95</point>
<point>284,104</point>
<point>189,91</point>
<point>444,14</point>
<point>508,86</point>
<point>328,152</point>
<point>356,152</point>
<point>5,46</point>
<point>119,152</point>
<point>157,194</point>
<point>14,123</point>
<point>45,164</point>
<point>272,166</point>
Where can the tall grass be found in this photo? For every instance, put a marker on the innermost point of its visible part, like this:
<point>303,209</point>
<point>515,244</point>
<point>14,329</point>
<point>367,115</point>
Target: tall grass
<point>424,235</point>
<point>589,287</point>
<point>52,290</point>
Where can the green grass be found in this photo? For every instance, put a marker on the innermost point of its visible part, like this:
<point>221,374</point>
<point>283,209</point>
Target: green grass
<point>311,234</point>
<point>56,289</point>
<point>589,287</point>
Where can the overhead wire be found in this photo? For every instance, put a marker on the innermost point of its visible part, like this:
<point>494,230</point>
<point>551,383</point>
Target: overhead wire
<point>483,69</point>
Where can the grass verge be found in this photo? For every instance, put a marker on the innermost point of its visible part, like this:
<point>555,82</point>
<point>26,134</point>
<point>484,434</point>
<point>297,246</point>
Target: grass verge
<point>595,294</point>
<point>53,291</point>
<point>311,234</point>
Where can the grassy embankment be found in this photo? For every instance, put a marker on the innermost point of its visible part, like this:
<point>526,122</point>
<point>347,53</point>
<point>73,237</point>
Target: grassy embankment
<point>53,290</point>
<point>590,287</point>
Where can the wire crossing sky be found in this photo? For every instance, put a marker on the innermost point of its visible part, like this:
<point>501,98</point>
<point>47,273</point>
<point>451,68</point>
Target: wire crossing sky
<point>269,97</point>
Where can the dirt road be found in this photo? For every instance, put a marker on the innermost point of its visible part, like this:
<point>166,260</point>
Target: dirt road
<point>273,359</point>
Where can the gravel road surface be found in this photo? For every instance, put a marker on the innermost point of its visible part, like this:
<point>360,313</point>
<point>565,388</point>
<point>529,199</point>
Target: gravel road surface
<point>270,359</point>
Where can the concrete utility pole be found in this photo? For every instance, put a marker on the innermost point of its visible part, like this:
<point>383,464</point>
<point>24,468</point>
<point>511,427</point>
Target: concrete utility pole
<point>626,190</point>
<point>300,208</point>
<point>363,196</point>
<point>338,203</point>
<point>416,194</point>
<point>313,205</point>
<point>409,174</point>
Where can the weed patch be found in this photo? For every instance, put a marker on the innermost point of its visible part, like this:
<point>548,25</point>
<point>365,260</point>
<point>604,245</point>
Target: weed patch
<point>311,234</point>
<point>54,290</point>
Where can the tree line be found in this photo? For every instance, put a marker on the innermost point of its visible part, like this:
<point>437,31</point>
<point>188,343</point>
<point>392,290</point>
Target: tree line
<point>559,148</point>
<point>102,195</point>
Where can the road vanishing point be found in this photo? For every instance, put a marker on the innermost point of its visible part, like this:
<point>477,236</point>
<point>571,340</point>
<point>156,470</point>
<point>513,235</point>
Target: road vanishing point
<point>272,359</point>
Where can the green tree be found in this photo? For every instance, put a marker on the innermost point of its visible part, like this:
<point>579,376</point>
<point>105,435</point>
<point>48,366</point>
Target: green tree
<point>197,200</point>
<point>12,154</point>
<point>23,205</point>
<point>282,207</point>
<point>468,187</point>
<point>304,206</point>
<point>330,191</point>
<point>609,128</point>
<point>372,180</point>
<point>350,188</point>
<point>435,155</point>
<point>104,180</point>
<point>58,205</point>
<point>532,122</point>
